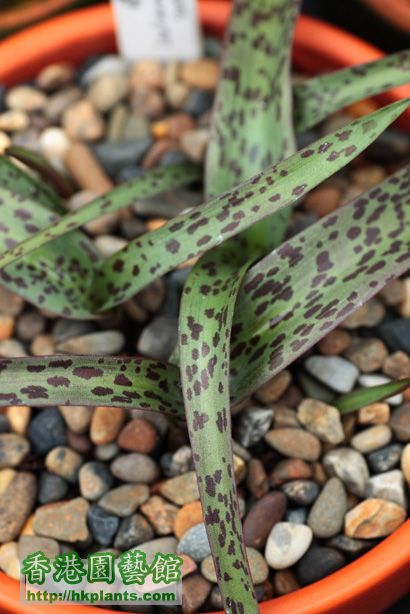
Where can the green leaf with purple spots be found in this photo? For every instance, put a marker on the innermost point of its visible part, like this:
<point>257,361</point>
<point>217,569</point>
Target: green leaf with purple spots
<point>317,98</point>
<point>311,283</point>
<point>190,234</point>
<point>89,380</point>
<point>360,398</point>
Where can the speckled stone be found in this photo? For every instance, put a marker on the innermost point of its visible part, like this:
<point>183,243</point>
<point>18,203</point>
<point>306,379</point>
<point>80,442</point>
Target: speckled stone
<point>252,424</point>
<point>17,497</point>
<point>95,480</point>
<point>295,443</point>
<point>64,462</point>
<point>103,526</point>
<point>161,514</point>
<point>28,544</point>
<point>367,354</point>
<point>182,489</point>
<point>124,500</point>
<point>322,420</point>
<point>133,531</point>
<point>350,467</point>
<point>195,543</point>
<point>374,518</point>
<point>287,543</point>
<point>63,521</point>
<point>13,449</point>
<point>301,492</point>
<point>327,514</point>
<point>386,458</point>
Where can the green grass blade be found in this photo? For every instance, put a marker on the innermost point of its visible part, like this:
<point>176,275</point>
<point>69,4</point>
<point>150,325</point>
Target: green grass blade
<point>188,235</point>
<point>317,98</point>
<point>302,290</point>
<point>360,398</point>
<point>91,380</point>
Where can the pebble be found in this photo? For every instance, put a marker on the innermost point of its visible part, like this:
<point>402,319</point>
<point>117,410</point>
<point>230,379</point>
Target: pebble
<point>135,468</point>
<point>323,200</point>
<point>103,343</point>
<point>374,518</point>
<point>64,462</point>
<point>195,143</point>
<point>297,515</point>
<point>11,348</point>
<point>108,90</point>
<point>295,443</point>
<point>124,500</point>
<point>367,354</point>
<point>65,521</point>
<point>405,463</point>
<point>301,492</point>
<point>285,417</point>
<point>293,469</point>
<point>18,418</point>
<point>103,526</point>
<point>18,494</point>
<point>285,582</point>
<point>252,424</point>
<point>262,516</point>
<point>81,121</point>
<point>397,365</point>
<point>28,544</point>
<point>188,516</point>
<point>327,514</point>
<point>159,338</point>
<point>257,480</point>
<point>79,443</point>
<point>106,423</point>
<point>29,325</point>
<point>9,561</point>
<point>198,102</point>
<point>351,547</point>
<point>395,333</point>
<point>350,467</point>
<point>106,452</point>
<point>371,438</point>
<point>46,430</point>
<point>257,564</point>
<point>287,543</point>
<point>54,144</point>
<point>115,155</point>
<point>376,413</point>
<point>108,64</point>
<point>60,101</point>
<point>386,458</point>
<point>322,420</point>
<point>55,76</point>
<point>162,544</point>
<point>133,531</point>
<point>5,142</point>
<point>177,463</point>
<point>400,423</point>
<point>14,121</point>
<point>368,381</point>
<point>86,170</point>
<point>195,543</point>
<point>77,417</point>
<point>13,449</point>
<point>6,326</point>
<point>108,245</point>
<point>161,514</point>
<point>181,489</point>
<point>274,388</point>
<point>404,306</point>
<point>51,488</point>
<point>10,303</point>
<point>337,373</point>
<point>336,342</point>
<point>389,485</point>
<point>313,389</point>
<point>195,591</point>
<point>26,98</point>
<point>319,562</point>
<point>138,435</point>
<point>202,74</point>
<point>368,315</point>
<point>42,345</point>
<point>95,480</point>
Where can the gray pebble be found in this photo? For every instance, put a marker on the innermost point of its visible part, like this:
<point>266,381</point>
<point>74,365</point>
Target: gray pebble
<point>297,516</point>
<point>252,424</point>
<point>350,467</point>
<point>389,485</point>
<point>301,492</point>
<point>51,488</point>
<point>115,155</point>
<point>327,514</point>
<point>159,338</point>
<point>195,543</point>
<point>103,525</point>
<point>135,468</point>
<point>47,430</point>
<point>317,563</point>
<point>337,373</point>
<point>351,547</point>
<point>386,458</point>
<point>133,531</point>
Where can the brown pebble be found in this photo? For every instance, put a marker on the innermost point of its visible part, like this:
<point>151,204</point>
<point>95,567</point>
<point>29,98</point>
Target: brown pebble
<point>285,582</point>
<point>295,443</point>
<point>374,518</point>
<point>147,74</point>
<point>376,413</point>
<point>393,293</point>
<point>323,200</point>
<point>42,345</point>
<point>6,326</point>
<point>81,121</point>
<point>274,388</point>
<point>335,343</point>
<point>262,517</point>
<point>257,480</point>
<point>19,418</point>
<point>292,469</point>
<point>138,435</point>
<point>66,521</point>
<point>367,354</point>
<point>161,514</point>
<point>195,590</point>
<point>55,76</point>
<point>106,424</point>
<point>397,365</point>
<point>173,126</point>
<point>86,170</point>
<point>17,499</point>
<point>202,74</point>
<point>157,151</point>
<point>188,516</point>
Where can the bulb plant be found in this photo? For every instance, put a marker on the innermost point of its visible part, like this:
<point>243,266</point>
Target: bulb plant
<point>254,302</point>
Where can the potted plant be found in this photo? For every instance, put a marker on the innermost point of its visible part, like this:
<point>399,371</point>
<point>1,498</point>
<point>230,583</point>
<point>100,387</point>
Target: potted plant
<point>249,306</point>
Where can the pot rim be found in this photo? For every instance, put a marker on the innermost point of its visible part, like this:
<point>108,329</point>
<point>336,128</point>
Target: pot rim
<point>374,580</point>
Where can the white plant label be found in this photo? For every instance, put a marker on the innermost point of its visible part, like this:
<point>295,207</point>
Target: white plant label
<point>158,29</point>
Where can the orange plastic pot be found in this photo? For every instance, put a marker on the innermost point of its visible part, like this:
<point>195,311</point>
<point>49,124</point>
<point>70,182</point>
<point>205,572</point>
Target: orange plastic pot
<point>380,577</point>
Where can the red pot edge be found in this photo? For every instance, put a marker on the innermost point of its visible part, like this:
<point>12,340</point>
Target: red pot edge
<point>381,576</point>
